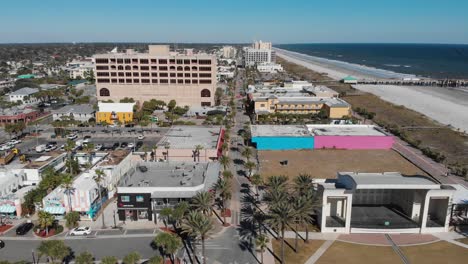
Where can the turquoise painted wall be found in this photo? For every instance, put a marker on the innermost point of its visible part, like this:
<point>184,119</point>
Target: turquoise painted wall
<point>283,143</point>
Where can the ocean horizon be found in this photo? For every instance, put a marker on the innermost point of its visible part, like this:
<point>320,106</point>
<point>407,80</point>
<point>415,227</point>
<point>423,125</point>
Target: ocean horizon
<point>426,60</point>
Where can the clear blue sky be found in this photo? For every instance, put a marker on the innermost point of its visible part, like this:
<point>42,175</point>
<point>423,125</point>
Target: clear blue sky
<point>285,21</point>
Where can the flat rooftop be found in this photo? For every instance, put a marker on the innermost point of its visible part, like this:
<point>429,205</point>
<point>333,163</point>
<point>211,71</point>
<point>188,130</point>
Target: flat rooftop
<point>345,130</point>
<point>187,137</point>
<point>385,180</point>
<point>314,130</point>
<point>279,131</point>
<point>43,160</point>
<point>180,175</point>
<point>114,157</point>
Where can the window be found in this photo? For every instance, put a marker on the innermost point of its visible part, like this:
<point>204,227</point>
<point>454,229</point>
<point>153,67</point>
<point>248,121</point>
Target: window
<point>187,81</point>
<point>102,61</point>
<point>205,93</point>
<point>187,75</point>
<point>120,67</point>
<point>195,81</point>
<point>135,67</point>
<point>205,81</point>
<point>128,74</point>
<point>179,61</point>
<point>205,75</point>
<point>194,61</point>
<point>205,69</point>
<point>128,80</point>
<point>154,74</point>
<point>172,74</point>
<point>136,74</point>
<point>121,74</point>
<point>179,74</point>
<point>114,80</point>
<point>114,73</point>
<point>134,60</point>
<point>172,68</point>
<point>173,81</point>
<point>163,81</point>
<point>125,198</point>
<point>194,74</point>
<point>144,61</point>
<point>128,68</point>
<point>205,62</point>
<point>163,74</point>
<point>128,61</point>
<point>262,105</point>
<point>154,80</point>
<point>102,74</point>
<point>163,68</point>
<point>145,74</point>
<point>103,80</point>
<point>136,80</point>
<point>102,67</point>
<point>180,81</point>
<point>104,92</point>
<point>186,68</point>
<point>154,68</point>
<point>162,61</point>
<point>153,61</point>
<point>194,68</point>
<point>186,61</point>
<point>171,61</point>
<point>139,198</point>
<point>145,81</point>
<point>144,68</point>
<point>119,61</point>
<point>180,68</point>
<point>205,103</point>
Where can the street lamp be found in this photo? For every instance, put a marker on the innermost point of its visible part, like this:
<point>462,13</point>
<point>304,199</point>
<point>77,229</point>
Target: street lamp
<point>33,256</point>
<point>115,224</point>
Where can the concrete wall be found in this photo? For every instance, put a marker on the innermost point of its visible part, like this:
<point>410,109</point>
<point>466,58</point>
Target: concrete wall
<point>283,143</point>
<point>354,142</point>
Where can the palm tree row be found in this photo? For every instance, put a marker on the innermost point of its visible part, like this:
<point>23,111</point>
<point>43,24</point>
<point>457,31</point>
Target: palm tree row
<point>289,205</point>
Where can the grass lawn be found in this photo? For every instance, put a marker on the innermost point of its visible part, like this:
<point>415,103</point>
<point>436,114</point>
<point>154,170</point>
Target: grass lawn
<point>317,162</point>
<point>304,252</point>
<point>438,252</point>
<point>463,240</point>
<point>341,252</point>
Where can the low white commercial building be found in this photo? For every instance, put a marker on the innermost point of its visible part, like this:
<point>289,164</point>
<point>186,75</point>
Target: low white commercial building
<point>31,172</point>
<point>383,203</point>
<point>80,68</point>
<point>269,67</point>
<point>81,112</point>
<point>24,95</point>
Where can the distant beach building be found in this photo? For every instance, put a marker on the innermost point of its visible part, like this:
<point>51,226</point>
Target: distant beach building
<point>269,67</point>
<point>229,52</point>
<point>349,80</point>
<point>260,52</point>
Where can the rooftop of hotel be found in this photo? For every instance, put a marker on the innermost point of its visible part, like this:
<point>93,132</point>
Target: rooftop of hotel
<point>345,130</point>
<point>315,130</point>
<point>157,51</point>
<point>279,131</point>
<point>171,174</point>
<point>187,137</point>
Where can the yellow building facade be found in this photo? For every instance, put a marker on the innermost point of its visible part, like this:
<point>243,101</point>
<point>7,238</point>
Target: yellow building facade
<point>115,112</point>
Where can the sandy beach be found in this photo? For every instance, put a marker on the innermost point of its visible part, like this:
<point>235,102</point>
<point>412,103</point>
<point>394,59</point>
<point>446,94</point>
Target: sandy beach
<point>446,106</point>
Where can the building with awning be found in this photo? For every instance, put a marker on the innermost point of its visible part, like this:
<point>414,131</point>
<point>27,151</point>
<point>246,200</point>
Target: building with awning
<point>7,209</point>
<point>55,210</point>
<point>11,203</point>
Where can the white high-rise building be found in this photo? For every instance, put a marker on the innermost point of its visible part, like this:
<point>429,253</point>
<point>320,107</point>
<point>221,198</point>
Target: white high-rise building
<point>229,52</point>
<point>261,45</point>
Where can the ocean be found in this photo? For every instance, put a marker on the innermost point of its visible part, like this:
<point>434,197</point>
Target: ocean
<point>426,60</point>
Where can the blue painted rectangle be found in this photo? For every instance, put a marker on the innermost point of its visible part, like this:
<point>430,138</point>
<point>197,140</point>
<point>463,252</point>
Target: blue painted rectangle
<point>283,143</point>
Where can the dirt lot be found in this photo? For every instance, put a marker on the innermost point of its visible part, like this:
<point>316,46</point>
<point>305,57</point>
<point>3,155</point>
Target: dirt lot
<point>341,252</point>
<point>439,252</point>
<point>326,163</point>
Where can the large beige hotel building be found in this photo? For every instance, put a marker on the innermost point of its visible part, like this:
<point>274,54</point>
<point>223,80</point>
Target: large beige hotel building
<point>160,74</point>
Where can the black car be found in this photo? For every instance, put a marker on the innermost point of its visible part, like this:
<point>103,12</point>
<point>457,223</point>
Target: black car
<point>24,228</point>
<point>2,244</point>
<point>123,144</point>
<point>115,146</point>
<point>87,137</point>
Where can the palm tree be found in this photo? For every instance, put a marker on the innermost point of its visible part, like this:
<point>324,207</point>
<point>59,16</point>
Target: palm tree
<point>109,260</point>
<point>250,166</point>
<point>227,175</point>
<point>55,250</point>
<point>202,202</point>
<point>303,207</point>
<point>247,153</point>
<point>256,180</point>
<point>167,146</point>
<point>179,212</point>
<point>67,184</point>
<point>154,260</point>
<point>72,219</point>
<point>224,147</point>
<point>132,258</point>
<point>169,244</point>
<point>99,178</point>
<point>262,243</point>
<point>280,215</point>
<point>89,148</point>
<point>69,147</point>
<point>303,184</point>
<point>196,153</point>
<point>197,225</point>
<point>165,214</point>
<point>45,220</point>
<point>155,149</point>
<point>223,187</point>
<point>84,258</point>
<point>225,161</point>
<point>277,182</point>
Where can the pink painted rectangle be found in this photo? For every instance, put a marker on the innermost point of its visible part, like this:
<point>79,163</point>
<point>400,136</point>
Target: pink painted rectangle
<point>353,142</point>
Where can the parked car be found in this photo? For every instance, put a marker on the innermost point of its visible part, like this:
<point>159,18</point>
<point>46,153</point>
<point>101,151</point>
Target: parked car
<point>50,148</point>
<point>2,244</point>
<point>24,228</point>
<point>80,231</point>
<point>141,137</point>
<point>87,137</point>
<point>40,148</point>
<point>72,136</point>
<point>97,147</point>
<point>123,144</point>
<point>14,141</point>
<point>130,145</point>
<point>115,146</point>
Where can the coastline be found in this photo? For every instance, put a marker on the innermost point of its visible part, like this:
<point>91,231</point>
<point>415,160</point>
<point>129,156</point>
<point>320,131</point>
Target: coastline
<point>446,106</point>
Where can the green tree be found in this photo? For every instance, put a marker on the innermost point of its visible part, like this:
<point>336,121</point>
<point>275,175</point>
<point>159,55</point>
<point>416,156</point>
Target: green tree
<point>45,221</point>
<point>99,179</point>
<point>280,215</point>
<point>72,219</point>
<point>169,243</point>
<point>109,260</point>
<point>303,184</point>
<point>89,149</point>
<point>202,202</point>
<point>197,226</point>
<point>227,175</point>
<point>67,184</point>
<point>303,206</point>
<point>224,189</point>
<point>247,153</point>
<point>155,260</point>
<point>196,153</point>
<point>256,181</point>
<point>262,243</point>
<point>225,161</point>
<point>171,105</point>
<point>54,250</point>
<point>166,214</point>
<point>179,212</point>
<point>250,166</point>
<point>84,258</point>
<point>69,147</point>
<point>132,258</point>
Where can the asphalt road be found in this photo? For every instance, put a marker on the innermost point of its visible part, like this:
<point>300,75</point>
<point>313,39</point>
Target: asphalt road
<point>17,250</point>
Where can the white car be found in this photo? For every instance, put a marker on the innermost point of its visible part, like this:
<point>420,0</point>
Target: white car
<point>14,141</point>
<point>50,148</point>
<point>141,137</point>
<point>3,147</point>
<point>72,136</point>
<point>130,145</point>
<point>80,231</point>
